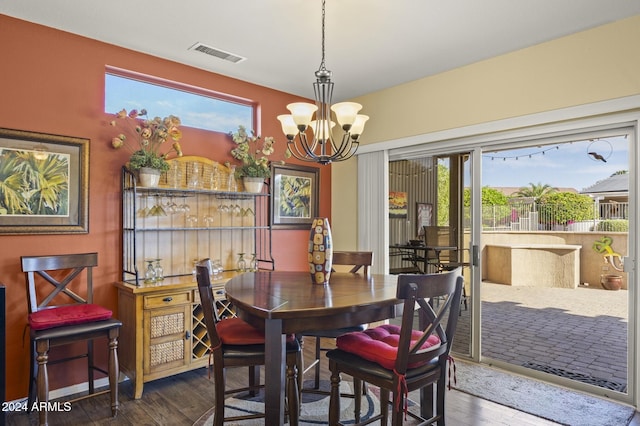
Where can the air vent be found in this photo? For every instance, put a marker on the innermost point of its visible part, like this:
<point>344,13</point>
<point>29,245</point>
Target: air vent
<point>212,51</point>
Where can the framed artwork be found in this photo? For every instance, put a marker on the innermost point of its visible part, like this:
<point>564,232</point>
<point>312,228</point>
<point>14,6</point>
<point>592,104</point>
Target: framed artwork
<point>294,196</point>
<point>424,212</point>
<point>398,205</point>
<point>45,186</point>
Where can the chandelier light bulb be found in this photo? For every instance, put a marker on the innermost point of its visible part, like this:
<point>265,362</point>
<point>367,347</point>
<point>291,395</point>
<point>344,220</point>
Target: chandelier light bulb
<point>346,113</point>
<point>302,113</point>
<point>322,129</point>
<point>289,126</point>
<point>358,126</point>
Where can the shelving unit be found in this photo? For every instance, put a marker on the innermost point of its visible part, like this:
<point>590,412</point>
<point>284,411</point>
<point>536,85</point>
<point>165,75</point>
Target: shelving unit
<point>163,331</point>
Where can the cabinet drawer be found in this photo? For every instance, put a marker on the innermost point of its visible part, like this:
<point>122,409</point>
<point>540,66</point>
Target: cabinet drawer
<point>167,299</point>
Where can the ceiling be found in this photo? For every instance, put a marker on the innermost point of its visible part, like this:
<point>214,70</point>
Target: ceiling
<point>370,44</point>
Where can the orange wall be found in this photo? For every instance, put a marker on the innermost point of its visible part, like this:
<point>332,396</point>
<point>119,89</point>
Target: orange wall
<point>53,82</point>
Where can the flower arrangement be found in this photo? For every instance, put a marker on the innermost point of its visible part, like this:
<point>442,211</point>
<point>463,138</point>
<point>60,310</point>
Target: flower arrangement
<point>151,135</point>
<point>254,157</point>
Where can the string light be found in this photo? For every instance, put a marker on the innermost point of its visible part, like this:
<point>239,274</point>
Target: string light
<point>516,157</point>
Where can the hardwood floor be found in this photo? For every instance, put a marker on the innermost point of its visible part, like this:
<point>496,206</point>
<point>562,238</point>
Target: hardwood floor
<point>182,399</point>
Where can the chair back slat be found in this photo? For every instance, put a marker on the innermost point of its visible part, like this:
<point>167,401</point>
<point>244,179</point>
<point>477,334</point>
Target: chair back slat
<point>207,302</point>
<point>438,299</point>
<point>359,259</point>
<point>43,266</point>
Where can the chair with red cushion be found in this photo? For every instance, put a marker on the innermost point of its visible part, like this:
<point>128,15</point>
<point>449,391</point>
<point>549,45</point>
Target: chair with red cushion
<point>61,311</point>
<point>235,343</point>
<point>400,359</point>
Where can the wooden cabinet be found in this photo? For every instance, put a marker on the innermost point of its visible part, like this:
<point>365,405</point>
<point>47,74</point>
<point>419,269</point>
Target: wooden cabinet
<point>163,331</point>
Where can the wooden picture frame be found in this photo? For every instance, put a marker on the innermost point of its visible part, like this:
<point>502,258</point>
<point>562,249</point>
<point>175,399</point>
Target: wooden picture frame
<point>294,196</point>
<point>60,161</point>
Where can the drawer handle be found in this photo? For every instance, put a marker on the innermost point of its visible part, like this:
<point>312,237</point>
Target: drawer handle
<point>167,299</point>
<point>187,335</point>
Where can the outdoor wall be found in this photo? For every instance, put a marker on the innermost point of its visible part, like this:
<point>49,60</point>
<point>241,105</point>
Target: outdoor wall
<point>586,67</point>
<point>53,82</point>
<point>590,260</point>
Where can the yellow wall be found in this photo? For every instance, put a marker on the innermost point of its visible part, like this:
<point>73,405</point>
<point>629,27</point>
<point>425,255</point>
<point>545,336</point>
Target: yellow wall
<point>582,68</point>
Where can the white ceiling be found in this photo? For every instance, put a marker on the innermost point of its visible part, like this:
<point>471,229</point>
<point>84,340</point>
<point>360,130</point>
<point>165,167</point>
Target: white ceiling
<point>370,44</point>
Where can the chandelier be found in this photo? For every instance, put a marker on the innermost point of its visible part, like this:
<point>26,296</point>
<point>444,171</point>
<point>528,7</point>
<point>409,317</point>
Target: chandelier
<point>322,147</point>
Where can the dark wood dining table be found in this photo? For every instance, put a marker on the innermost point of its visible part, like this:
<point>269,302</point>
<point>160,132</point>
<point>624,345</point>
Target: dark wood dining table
<point>283,302</point>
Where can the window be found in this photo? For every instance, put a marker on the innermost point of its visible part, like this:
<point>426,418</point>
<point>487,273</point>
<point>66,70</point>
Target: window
<point>195,108</point>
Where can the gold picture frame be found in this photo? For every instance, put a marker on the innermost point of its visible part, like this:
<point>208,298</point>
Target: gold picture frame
<point>294,196</point>
<point>45,183</point>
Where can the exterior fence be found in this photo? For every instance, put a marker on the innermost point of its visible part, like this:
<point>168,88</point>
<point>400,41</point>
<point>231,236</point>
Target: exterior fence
<point>536,217</point>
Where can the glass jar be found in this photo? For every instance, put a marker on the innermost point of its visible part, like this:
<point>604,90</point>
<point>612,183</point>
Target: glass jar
<point>214,178</point>
<point>175,175</point>
<point>158,271</point>
<point>242,264</point>
<point>150,273</point>
<point>194,175</point>
<point>217,269</point>
<point>232,184</point>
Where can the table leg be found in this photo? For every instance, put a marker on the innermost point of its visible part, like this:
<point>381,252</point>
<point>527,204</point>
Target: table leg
<point>274,372</point>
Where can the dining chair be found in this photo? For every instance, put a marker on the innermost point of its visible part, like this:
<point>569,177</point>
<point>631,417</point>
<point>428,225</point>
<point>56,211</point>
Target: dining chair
<point>361,261</point>
<point>400,359</point>
<point>235,343</point>
<point>66,314</point>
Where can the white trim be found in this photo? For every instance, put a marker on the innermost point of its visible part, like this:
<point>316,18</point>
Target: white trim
<point>481,133</point>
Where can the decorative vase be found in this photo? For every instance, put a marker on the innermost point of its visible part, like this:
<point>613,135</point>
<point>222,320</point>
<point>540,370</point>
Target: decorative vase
<point>148,176</point>
<point>612,282</point>
<point>253,184</point>
<point>320,251</point>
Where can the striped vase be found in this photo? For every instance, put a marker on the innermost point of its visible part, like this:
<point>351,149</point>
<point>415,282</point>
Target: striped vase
<point>320,251</point>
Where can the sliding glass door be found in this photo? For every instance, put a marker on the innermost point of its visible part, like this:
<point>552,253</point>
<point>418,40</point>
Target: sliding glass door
<point>555,235</point>
<point>430,227</point>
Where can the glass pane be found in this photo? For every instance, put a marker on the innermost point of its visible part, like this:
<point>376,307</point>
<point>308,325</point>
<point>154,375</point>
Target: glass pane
<point>194,109</point>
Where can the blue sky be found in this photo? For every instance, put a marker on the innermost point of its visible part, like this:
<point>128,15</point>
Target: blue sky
<point>567,166</point>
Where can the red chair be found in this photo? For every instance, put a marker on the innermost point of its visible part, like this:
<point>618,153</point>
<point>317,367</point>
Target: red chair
<point>235,343</point>
<point>66,314</point>
<point>400,359</point>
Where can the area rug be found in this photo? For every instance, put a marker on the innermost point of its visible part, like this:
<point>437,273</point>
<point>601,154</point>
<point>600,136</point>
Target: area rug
<point>541,399</point>
<point>314,409</point>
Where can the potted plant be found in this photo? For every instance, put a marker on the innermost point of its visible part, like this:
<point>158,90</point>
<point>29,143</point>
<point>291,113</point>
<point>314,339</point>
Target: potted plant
<point>147,158</point>
<point>254,155</point>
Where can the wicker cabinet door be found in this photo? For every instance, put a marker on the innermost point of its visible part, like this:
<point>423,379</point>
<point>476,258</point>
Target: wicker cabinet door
<point>167,338</point>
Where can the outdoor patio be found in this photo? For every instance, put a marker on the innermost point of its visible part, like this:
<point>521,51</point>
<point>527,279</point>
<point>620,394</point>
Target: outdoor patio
<point>576,333</point>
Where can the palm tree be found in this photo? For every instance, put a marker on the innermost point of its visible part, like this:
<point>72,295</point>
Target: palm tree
<point>535,191</point>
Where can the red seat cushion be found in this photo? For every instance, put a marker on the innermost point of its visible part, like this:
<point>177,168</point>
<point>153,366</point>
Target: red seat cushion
<point>380,344</point>
<point>68,315</point>
<point>235,331</point>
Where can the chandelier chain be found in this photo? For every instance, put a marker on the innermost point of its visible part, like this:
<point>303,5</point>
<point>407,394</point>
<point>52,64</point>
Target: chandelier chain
<point>322,63</point>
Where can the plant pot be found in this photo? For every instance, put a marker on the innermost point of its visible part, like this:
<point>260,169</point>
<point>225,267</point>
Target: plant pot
<point>148,177</point>
<point>253,184</point>
<point>611,282</point>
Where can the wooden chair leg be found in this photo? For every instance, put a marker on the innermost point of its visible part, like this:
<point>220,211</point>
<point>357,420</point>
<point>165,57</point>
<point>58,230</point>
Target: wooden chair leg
<point>33,367</point>
<point>384,405</point>
<point>114,371</point>
<point>334,404</point>
<point>254,380</point>
<point>293,392</point>
<point>90,366</point>
<point>316,382</point>
<point>219,385</point>
<point>357,396</point>
<point>42,349</point>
